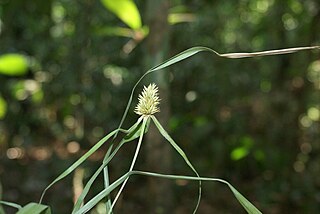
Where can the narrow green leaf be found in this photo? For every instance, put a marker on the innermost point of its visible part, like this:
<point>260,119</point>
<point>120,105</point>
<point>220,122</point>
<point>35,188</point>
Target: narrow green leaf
<point>104,193</point>
<point>106,176</point>
<point>248,206</point>
<point>33,208</point>
<point>13,64</point>
<point>126,10</point>
<point>11,204</point>
<point>192,51</point>
<point>181,153</point>
<point>131,135</point>
<point>79,161</point>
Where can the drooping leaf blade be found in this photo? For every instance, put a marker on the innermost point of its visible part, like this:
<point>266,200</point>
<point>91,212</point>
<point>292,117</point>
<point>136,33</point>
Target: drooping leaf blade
<point>194,50</point>
<point>79,161</point>
<point>181,153</point>
<point>246,204</point>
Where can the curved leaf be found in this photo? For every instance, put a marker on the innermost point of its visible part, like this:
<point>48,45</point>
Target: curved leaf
<point>247,205</point>
<point>181,153</point>
<point>192,51</point>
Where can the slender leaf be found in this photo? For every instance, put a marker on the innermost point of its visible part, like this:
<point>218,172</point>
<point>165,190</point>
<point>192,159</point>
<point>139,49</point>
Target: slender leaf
<point>10,204</point>
<point>79,161</point>
<point>33,208</point>
<point>104,193</point>
<point>131,135</point>
<point>106,176</point>
<point>248,206</point>
<point>181,153</point>
<point>194,50</point>
<point>243,201</point>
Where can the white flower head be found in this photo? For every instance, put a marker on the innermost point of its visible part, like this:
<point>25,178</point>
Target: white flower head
<point>148,101</point>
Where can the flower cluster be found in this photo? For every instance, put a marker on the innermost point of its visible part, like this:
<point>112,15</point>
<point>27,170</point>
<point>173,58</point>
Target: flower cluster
<point>148,101</point>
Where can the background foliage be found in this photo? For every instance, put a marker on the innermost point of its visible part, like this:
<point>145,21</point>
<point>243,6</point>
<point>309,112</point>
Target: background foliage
<point>67,68</point>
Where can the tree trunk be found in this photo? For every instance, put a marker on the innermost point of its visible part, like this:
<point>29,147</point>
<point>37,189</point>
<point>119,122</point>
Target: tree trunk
<point>159,151</point>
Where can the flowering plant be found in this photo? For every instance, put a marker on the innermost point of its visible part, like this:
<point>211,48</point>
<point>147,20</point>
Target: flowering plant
<point>146,108</point>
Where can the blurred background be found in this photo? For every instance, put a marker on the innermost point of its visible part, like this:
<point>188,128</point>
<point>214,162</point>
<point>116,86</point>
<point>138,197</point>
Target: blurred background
<point>67,69</point>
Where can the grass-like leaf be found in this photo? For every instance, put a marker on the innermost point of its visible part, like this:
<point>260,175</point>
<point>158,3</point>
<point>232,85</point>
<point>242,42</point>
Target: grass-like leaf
<point>106,176</point>
<point>79,161</point>
<point>192,51</point>
<point>132,133</point>
<point>34,208</point>
<point>247,205</point>
<point>10,204</point>
<point>181,153</point>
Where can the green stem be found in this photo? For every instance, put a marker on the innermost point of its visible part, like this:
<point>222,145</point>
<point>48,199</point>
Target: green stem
<point>145,120</point>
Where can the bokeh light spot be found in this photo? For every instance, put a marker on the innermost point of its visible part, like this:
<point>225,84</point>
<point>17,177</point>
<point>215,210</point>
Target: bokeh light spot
<point>73,147</point>
<point>191,96</point>
<point>15,153</point>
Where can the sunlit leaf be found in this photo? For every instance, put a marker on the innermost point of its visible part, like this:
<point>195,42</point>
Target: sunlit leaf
<point>13,64</point>
<point>3,108</point>
<point>33,208</point>
<point>126,10</point>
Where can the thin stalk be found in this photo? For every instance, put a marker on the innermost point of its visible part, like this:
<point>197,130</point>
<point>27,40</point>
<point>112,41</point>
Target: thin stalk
<point>106,178</point>
<point>145,119</point>
<point>106,160</point>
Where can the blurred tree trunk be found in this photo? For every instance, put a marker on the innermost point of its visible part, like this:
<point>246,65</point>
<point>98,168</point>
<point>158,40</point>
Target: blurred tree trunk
<point>158,155</point>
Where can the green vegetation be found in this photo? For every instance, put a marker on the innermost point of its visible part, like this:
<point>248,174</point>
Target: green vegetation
<point>67,69</point>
